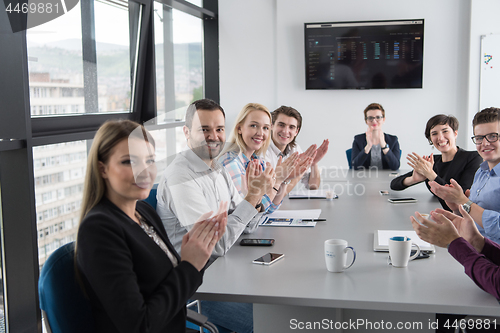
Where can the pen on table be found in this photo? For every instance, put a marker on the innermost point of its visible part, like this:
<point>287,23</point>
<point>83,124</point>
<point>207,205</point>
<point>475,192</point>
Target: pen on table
<point>314,220</point>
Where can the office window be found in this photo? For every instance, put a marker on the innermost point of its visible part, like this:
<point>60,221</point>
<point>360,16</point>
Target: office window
<point>72,71</point>
<point>198,3</point>
<point>59,172</point>
<point>65,77</point>
<point>55,65</point>
<point>179,60</point>
<point>113,56</point>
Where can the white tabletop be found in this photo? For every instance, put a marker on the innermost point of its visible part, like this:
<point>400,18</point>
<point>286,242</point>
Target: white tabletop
<point>434,285</point>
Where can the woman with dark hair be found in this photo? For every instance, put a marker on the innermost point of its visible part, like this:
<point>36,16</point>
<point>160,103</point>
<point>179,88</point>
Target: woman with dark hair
<point>134,278</point>
<point>374,148</point>
<point>454,162</point>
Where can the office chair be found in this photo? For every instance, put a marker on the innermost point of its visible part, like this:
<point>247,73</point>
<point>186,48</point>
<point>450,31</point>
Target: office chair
<point>348,154</point>
<point>151,199</point>
<point>63,304</point>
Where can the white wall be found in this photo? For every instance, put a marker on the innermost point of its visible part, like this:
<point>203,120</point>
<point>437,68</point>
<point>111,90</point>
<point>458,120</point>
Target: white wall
<point>484,21</point>
<point>262,60</point>
<point>246,55</point>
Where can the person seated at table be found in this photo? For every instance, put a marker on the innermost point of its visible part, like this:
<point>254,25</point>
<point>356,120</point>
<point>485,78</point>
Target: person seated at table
<point>134,278</point>
<point>374,148</point>
<point>479,255</point>
<point>454,162</point>
<point>482,202</point>
<point>249,138</point>
<point>195,183</point>
<point>287,123</point>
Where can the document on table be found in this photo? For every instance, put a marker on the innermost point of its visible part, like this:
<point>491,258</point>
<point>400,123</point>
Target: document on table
<point>286,222</point>
<point>292,218</point>
<point>309,194</point>
<point>381,240</point>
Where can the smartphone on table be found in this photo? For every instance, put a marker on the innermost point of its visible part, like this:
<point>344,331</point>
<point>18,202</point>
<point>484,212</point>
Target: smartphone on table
<point>402,200</point>
<point>268,259</point>
<point>256,242</point>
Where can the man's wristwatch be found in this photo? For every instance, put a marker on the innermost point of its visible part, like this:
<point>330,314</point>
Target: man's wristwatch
<point>385,147</point>
<point>466,206</point>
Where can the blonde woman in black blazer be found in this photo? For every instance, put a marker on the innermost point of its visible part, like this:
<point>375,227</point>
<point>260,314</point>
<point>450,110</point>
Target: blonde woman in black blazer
<point>134,278</point>
<point>454,162</point>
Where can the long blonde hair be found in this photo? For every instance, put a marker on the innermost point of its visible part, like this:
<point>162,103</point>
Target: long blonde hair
<point>107,137</point>
<point>236,140</point>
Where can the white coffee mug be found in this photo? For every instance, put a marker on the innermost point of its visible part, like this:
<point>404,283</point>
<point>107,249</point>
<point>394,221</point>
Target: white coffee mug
<point>336,255</point>
<point>399,250</point>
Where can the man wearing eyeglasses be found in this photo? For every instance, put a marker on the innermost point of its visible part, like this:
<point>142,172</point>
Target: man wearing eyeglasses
<point>483,201</point>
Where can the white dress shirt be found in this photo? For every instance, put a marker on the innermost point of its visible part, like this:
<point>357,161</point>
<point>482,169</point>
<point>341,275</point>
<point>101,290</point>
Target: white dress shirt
<point>189,188</point>
<point>273,154</point>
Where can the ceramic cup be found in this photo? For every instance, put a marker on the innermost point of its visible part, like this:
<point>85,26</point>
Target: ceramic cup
<point>336,255</point>
<point>399,250</point>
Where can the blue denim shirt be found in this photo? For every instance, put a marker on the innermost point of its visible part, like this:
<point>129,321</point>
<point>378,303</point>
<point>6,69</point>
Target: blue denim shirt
<point>485,192</point>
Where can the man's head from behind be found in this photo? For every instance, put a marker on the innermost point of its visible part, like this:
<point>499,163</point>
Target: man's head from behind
<point>205,128</point>
<point>286,126</point>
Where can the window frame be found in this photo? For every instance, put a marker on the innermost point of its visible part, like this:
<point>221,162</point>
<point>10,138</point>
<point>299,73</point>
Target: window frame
<point>20,133</point>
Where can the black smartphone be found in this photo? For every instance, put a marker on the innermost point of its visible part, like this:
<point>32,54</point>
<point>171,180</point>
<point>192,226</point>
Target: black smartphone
<point>401,200</point>
<point>256,242</point>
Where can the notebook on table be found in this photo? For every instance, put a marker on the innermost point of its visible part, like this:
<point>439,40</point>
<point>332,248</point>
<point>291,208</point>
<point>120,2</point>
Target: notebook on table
<point>381,240</point>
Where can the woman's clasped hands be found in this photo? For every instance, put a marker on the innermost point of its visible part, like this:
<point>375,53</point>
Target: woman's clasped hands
<point>422,167</point>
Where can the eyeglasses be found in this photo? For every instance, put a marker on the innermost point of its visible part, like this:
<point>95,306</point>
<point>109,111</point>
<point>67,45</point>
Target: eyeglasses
<point>377,118</point>
<point>491,137</point>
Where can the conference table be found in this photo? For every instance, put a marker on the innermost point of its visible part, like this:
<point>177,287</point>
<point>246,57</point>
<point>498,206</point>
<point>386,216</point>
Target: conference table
<point>297,292</point>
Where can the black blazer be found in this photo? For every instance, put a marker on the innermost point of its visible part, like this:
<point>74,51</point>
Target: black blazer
<point>362,160</point>
<point>463,167</point>
<point>131,283</point>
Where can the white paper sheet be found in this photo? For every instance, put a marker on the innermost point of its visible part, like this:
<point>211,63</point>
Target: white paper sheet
<point>309,194</point>
<point>296,214</point>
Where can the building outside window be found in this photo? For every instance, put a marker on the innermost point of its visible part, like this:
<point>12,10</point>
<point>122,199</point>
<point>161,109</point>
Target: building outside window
<point>82,69</point>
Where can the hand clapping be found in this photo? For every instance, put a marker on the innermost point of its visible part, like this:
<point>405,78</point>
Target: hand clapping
<point>199,242</point>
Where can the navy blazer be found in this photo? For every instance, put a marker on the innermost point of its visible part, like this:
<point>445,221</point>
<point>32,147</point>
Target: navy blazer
<point>131,283</point>
<point>360,159</point>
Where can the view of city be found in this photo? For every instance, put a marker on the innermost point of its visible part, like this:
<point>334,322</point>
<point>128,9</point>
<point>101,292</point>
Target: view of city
<point>56,72</point>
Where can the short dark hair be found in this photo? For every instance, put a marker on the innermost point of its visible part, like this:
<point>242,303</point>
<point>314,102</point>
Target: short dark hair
<point>440,119</point>
<point>374,106</point>
<point>201,104</point>
<point>290,112</point>
<point>488,115</point>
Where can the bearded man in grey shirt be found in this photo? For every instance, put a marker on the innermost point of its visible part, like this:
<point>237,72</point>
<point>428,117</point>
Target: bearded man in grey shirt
<point>195,183</point>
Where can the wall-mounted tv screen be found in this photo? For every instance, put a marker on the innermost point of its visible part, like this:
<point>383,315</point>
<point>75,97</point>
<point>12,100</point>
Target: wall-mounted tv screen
<point>364,55</point>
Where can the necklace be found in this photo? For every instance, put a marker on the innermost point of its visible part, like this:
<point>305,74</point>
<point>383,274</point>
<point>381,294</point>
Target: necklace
<point>150,231</point>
